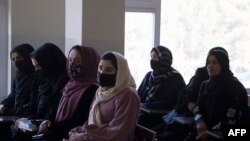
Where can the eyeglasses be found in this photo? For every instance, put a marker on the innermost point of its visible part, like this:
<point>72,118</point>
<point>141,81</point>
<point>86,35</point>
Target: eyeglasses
<point>19,58</point>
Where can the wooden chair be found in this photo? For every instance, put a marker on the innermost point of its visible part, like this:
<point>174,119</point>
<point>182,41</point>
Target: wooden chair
<point>154,111</point>
<point>144,134</point>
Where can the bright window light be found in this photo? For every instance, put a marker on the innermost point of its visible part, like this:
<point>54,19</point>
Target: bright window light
<point>139,40</point>
<point>191,27</point>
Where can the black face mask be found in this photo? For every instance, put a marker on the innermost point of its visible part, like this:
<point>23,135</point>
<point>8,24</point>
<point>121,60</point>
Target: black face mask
<point>42,73</point>
<point>21,65</point>
<point>75,69</point>
<point>155,65</point>
<point>107,80</point>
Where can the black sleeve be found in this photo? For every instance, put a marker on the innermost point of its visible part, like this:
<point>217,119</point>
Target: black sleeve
<point>238,103</point>
<point>195,83</point>
<point>168,93</point>
<point>199,110</point>
<point>10,100</point>
<point>54,98</point>
<point>29,107</point>
<point>61,129</point>
<point>143,86</point>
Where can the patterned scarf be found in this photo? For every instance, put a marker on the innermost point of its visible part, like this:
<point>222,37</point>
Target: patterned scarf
<point>160,75</point>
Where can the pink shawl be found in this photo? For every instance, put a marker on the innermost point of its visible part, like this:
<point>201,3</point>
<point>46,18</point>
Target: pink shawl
<point>76,87</point>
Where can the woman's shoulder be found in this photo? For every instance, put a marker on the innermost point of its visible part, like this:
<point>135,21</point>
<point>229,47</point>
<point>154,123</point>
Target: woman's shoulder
<point>234,83</point>
<point>128,93</point>
<point>148,74</point>
<point>175,75</point>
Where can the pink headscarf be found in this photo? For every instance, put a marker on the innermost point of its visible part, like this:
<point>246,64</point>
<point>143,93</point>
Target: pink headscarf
<point>76,87</point>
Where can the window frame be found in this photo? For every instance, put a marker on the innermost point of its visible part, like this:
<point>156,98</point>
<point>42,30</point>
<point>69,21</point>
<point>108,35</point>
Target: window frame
<point>153,6</point>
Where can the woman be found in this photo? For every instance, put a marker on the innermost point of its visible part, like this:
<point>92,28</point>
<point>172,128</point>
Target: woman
<point>170,129</point>
<point>160,87</point>
<point>222,99</point>
<point>78,93</point>
<point>115,108</point>
<point>50,65</point>
<point>17,102</point>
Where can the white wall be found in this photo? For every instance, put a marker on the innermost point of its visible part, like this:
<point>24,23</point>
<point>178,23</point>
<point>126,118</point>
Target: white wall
<point>37,22</point>
<point>3,47</point>
<point>103,24</point>
<point>73,21</point>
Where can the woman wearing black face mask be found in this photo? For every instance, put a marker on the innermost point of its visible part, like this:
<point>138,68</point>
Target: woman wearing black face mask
<point>115,108</point>
<point>51,62</point>
<point>78,93</point>
<point>17,102</point>
<point>160,87</point>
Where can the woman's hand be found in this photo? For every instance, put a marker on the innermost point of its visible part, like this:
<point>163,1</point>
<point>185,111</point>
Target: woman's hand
<point>76,137</point>
<point>142,105</point>
<point>201,130</point>
<point>2,109</point>
<point>44,126</point>
<point>191,106</point>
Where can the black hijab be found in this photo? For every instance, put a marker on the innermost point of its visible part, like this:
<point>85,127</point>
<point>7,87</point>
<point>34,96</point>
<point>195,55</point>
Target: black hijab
<point>216,83</point>
<point>159,75</point>
<point>22,87</point>
<point>24,66</point>
<point>51,59</point>
<point>54,77</point>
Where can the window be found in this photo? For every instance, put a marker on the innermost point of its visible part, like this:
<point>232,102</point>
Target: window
<point>190,28</point>
<point>139,39</point>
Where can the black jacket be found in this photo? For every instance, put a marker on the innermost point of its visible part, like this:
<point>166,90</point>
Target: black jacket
<point>222,100</point>
<point>166,95</point>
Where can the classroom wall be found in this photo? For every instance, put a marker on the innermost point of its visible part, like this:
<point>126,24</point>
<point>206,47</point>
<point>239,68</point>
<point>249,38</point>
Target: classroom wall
<point>73,23</point>
<point>3,48</point>
<point>103,24</point>
<point>40,21</point>
<point>37,22</point>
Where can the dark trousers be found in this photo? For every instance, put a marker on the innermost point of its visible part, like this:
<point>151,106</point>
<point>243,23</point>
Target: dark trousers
<point>5,130</point>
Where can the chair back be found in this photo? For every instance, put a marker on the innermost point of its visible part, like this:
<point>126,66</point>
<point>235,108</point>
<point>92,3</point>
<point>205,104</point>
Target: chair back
<point>144,134</point>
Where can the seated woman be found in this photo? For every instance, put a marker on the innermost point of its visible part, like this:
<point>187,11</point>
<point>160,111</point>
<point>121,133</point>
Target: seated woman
<point>115,108</point>
<point>177,131</point>
<point>222,99</point>
<point>78,93</point>
<point>50,64</point>
<point>188,96</point>
<point>160,87</point>
<point>17,102</point>
<point>171,130</point>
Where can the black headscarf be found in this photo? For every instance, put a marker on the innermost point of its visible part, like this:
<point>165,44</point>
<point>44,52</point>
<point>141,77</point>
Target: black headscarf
<point>161,74</point>
<point>53,63</point>
<point>223,59</point>
<point>165,60</point>
<point>217,83</point>
<point>23,84</point>
<point>24,50</point>
<point>51,59</point>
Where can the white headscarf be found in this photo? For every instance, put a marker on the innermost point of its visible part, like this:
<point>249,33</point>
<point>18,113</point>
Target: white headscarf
<point>123,80</point>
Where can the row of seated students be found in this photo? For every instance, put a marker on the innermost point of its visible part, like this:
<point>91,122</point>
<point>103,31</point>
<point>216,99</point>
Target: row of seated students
<point>98,101</point>
<point>80,98</point>
<point>212,99</point>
